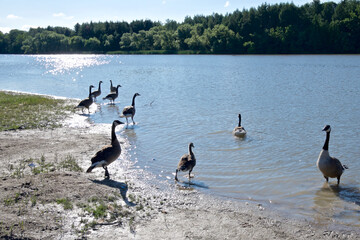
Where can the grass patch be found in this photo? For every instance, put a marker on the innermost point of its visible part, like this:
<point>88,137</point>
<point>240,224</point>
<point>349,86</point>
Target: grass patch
<point>25,111</point>
<point>66,203</point>
<point>70,164</point>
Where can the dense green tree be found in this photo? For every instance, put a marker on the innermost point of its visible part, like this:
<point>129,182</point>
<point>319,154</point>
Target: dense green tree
<point>314,27</point>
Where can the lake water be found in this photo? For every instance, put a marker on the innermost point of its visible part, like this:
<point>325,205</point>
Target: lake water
<point>284,100</point>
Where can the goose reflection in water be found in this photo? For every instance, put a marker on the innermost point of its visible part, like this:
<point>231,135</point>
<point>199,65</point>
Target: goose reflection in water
<point>330,201</point>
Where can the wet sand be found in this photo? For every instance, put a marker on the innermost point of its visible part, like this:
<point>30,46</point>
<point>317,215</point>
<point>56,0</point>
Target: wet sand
<point>153,212</point>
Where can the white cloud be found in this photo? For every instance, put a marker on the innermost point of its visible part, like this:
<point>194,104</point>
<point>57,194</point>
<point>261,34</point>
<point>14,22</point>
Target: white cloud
<point>164,2</point>
<point>27,27</point>
<point>59,14</point>
<point>5,29</point>
<point>63,15</point>
<point>227,4</point>
<point>12,16</point>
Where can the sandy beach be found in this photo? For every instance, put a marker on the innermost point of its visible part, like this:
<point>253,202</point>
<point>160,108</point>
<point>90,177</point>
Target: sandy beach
<point>134,207</point>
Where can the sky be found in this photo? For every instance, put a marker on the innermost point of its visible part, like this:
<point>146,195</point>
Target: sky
<point>23,14</point>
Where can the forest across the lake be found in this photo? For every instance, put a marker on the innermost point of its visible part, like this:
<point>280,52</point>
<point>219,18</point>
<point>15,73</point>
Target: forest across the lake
<point>313,28</point>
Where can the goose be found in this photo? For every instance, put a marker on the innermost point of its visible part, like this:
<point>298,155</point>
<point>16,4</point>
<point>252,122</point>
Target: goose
<point>108,153</point>
<point>329,166</point>
<point>98,92</point>
<point>112,88</point>
<point>86,102</point>
<point>239,131</point>
<point>112,96</point>
<point>187,162</point>
<point>129,111</point>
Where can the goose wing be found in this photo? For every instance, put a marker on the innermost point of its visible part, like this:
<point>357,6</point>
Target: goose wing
<point>186,162</point>
<point>338,164</point>
<point>129,110</point>
<point>103,155</point>
<point>110,96</point>
<point>85,102</point>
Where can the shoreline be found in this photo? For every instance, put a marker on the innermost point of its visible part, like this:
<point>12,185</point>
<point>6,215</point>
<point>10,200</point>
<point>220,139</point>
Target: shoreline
<point>151,211</point>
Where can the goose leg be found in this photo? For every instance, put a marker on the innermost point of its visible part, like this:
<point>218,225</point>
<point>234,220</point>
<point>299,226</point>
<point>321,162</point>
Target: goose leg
<point>176,179</point>
<point>338,178</point>
<point>132,118</point>
<point>107,175</point>
<point>189,174</point>
<point>327,179</point>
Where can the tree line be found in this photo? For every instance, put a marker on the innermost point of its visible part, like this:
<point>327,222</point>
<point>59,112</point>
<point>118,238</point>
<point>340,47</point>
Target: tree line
<point>283,28</point>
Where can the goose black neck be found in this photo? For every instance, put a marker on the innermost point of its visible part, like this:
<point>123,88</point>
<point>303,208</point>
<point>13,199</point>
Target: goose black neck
<point>239,121</point>
<point>133,101</point>
<point>190,150</point>
<point>111,84</point>
<point>89,92</point>
<point>326,144</point>
<point>99,86</point>
<point>113,135</point>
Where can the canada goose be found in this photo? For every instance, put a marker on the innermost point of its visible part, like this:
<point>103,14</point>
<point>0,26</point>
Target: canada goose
<point>86,102</point>
<point>129,111</point>
<point>329,166</point>
<point>98,92</point>
<point>239,131</point>
<point>113,96</point>
<point>112,88</point>
<point>187,162</point>
<point>108,153</point>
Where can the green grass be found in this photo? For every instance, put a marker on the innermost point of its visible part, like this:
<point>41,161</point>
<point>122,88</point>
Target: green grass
<point>24,111</point>
<point>67,204</point>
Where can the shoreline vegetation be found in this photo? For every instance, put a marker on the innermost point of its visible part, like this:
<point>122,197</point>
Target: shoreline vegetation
<point>284,28</point>
<point>45,193</point>
<point>28,111</point>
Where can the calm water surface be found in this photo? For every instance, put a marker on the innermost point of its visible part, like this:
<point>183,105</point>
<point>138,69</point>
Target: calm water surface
<point>284,100</point>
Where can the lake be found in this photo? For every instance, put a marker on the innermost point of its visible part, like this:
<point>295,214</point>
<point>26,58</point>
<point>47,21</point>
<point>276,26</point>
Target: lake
<point>285,101</point>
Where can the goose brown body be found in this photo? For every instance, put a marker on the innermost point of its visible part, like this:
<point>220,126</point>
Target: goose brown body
<point>97,93</point>
<point>108,153</point>
<point>113,96</point>
<point>329,166</point>
<point>130,111</point>
<point>85,103</point>
<point>112,88</point>
<point>187,162</point>
<point>239,131</point>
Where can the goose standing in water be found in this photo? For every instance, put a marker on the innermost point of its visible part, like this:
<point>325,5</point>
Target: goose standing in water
<point>239,131</point>
<point>98,92</point>
<point>86,102</point>
<point>187,162</point>
<point>108,153</point>
<point>112,88</point>
<point>329,166</point>
<point>129,111</point>
<point>113,96</point>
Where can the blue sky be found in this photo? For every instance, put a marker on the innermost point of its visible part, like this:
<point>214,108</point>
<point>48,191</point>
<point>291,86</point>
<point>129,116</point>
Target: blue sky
<point>23,14</point>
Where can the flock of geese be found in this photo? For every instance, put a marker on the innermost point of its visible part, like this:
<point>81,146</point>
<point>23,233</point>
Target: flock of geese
<point>329,166</point>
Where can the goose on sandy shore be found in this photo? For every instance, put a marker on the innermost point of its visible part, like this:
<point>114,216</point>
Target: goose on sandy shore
<point>112,88</point>
<point>129,111</point>
<point>108,153</point>
<point>187,162</point>
<point>239,131</point>
<point>113,96</point>
<point>97,93</point>
<point>85,103</point>
<point>329,166</point>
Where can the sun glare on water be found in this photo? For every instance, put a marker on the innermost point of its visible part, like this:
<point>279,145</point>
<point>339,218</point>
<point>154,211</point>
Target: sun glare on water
<point>61,64</point>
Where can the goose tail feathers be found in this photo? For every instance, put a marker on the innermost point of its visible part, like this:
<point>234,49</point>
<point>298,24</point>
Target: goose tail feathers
<point>345,167</point>
<point>90,169</point>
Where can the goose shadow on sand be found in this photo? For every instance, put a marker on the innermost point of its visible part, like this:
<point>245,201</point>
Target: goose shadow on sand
<point>123,188</point>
